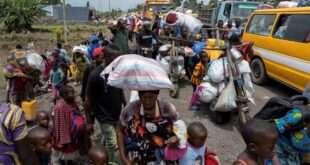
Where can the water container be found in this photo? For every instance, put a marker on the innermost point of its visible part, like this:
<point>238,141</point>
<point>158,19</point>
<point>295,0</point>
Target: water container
<point>72,69</point>
<point>30,109</point>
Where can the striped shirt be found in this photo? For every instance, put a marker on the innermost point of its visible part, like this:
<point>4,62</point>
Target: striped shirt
<point>12,128</point>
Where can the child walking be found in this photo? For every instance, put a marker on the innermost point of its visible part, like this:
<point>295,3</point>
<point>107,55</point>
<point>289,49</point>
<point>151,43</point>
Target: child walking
<point>57,79</point>
<point>260,137</point>
<point>70,139</point>
<point>196,152</point>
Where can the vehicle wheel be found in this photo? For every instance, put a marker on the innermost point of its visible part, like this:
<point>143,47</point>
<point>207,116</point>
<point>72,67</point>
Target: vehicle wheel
<point>175,92</point>
<point>259,75</point>
<point>220,117</point>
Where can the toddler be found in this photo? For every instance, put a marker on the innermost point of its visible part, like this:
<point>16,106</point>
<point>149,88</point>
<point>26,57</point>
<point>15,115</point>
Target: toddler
<point>98,155</point>
<point>195,152</point>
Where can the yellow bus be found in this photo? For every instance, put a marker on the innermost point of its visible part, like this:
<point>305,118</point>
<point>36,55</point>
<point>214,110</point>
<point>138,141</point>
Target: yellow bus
<point>152,6</point>
<point>281,46</point>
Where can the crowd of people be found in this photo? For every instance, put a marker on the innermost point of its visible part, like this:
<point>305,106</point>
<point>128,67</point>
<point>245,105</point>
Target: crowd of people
<point>146,131</point>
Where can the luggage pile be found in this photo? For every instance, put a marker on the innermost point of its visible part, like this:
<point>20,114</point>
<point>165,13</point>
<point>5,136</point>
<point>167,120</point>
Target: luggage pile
<point>219,84</point>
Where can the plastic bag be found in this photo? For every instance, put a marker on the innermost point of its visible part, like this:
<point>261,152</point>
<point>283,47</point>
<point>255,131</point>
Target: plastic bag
<point>165,65</point>
<point>208,92</point>
<point>216,70</point>
<point>227,100</point>
<point>244,67</point>
<point>287,4</point>
<point>134,95</point>
<point>180,130</point>
<point>221,87</point>
<point>248,86</point>
<point>164,48</point>
<point>35,61</point>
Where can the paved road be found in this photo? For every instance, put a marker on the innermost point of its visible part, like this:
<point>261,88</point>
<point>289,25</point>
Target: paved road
<point>225,139</point>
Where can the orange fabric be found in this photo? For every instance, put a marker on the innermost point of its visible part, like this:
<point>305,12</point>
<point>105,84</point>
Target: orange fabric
<point>198,73</point>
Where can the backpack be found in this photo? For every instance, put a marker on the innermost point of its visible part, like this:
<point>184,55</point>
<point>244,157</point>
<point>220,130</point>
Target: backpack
<point>278,107</point>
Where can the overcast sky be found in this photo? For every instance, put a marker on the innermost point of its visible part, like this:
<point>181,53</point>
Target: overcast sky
<point>103,5</point>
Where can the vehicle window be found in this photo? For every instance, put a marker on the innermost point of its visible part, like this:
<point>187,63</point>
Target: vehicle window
<point>293,27</point>
<point>241,10</point>
<point>261,24</point>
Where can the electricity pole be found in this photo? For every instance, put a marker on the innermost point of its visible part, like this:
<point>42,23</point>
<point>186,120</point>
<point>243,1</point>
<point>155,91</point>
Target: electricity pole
<point>64,18</point>
<point>109,5</point>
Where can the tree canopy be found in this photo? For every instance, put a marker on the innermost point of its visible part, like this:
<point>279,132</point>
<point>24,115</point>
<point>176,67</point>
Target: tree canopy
<point>18,15</point>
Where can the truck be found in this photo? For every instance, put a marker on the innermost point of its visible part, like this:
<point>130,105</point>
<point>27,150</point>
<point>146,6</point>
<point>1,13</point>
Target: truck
<point>153,6</point>
<point>225,10</point>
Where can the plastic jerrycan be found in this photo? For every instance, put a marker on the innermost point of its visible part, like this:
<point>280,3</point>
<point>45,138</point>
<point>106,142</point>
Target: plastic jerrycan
<point>30,108</point>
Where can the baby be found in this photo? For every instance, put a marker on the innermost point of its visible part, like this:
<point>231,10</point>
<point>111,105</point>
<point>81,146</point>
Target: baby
<point>260,137</point>
<point>98,155</point>
<point>40,142</point>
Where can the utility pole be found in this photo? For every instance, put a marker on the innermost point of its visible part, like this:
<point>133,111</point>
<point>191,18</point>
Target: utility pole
<point>64,18</point>
<point>109,5</point>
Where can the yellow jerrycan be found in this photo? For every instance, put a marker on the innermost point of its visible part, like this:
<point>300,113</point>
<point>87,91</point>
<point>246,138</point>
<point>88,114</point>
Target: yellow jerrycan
<point>30,108</point>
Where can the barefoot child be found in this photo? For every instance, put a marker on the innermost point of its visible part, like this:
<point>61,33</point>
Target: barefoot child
<point>98,155</point>
<point>195,152</point>
<point>260,137</point>
<point>40,140</point>
<point>68,129</point>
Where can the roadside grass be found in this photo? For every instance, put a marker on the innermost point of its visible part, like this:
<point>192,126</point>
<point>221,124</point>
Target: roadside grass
<point>43,38</point>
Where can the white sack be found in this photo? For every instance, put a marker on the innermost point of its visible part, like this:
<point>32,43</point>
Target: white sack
<point>244,67</point>
<point>216,70</point>
<point>208,93</point>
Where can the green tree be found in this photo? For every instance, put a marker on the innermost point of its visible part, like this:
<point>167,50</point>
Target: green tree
<point>18,15</point>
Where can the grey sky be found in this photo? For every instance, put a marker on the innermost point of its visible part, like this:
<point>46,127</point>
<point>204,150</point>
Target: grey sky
<point>103,5</point>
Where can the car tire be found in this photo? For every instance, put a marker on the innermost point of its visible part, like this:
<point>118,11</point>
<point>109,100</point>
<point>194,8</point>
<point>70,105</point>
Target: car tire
<point>259,75</point>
